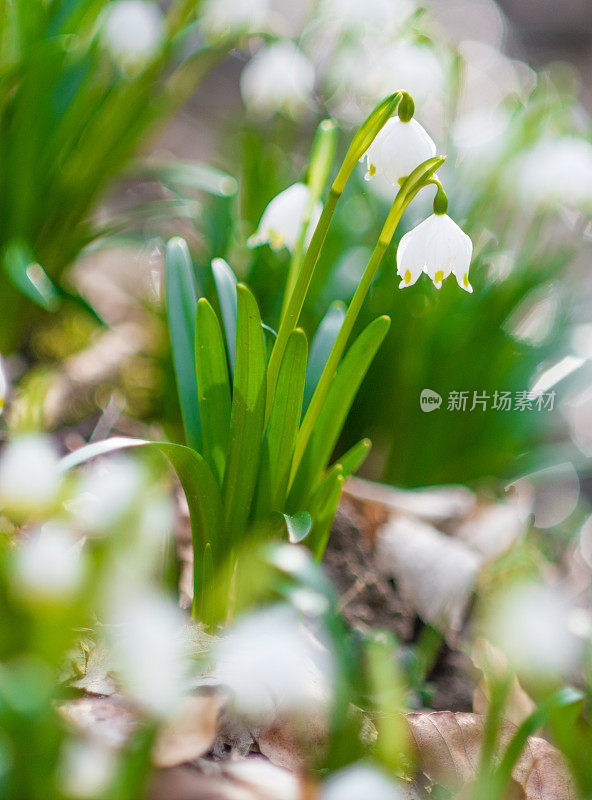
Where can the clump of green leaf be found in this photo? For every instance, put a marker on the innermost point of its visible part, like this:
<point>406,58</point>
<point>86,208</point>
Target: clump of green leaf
<point>72,116</point>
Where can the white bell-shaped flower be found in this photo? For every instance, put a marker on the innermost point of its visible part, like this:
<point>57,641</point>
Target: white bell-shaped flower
<point>133,30</point>
<point>281,223</point>
<point>279,78</point>
<point>398,149</point>
<point>438,247</point>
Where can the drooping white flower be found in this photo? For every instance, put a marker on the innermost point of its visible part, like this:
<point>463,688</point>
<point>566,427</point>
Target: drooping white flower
<point>278,78</point>
<point>272,664</point>
<point>106,492</point>
<point>398,149</point>
<point>49,564</point>
<point>133,30</point>
<point>531,624</point>
<point>438,247</point>
<point>556,171</point>
<point>358,781</point>
<point>281,223</point>
<point>231,17</point>
<point>29,476</point>
<point>149,644</point>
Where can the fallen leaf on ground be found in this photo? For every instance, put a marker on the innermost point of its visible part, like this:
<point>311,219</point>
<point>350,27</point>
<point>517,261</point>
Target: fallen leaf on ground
<point>494,666</point>
<point>108,719</point>
<point>433,503</point>
<point>190,734</point>
<point>448,749</point>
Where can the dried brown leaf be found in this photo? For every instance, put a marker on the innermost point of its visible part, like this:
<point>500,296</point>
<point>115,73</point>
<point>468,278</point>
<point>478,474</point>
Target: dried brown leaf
<point>449,747</point>
<point>190,734</point>
<point>494,666</point>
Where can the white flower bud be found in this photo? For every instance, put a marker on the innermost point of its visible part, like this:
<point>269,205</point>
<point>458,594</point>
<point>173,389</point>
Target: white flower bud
<point>278,78</point>
<point>438,247</point>
<point>272,664</point>
<point>133,30</point>
<point>49,565</point>
<point>359,781</point>
<point>398,149</point>
<point>282,221</point>
<point>29,475</point>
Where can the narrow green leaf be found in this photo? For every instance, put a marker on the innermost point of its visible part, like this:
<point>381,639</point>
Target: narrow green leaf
<point>322,342</point>
<point>181,303</point>
<point>225,280</point>
<point>298,526</point>
<point>29,276</point>
<point>342,392</point>
<point>213,387</point>
<point>199,485</point>
<point>278,447</point>
<point>322,510</point>
<point>351,461</point>
<point>247,416</point>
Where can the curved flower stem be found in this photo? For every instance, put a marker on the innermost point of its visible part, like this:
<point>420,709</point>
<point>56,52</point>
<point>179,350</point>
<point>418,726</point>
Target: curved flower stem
<point>416,181</point>
<point>360,143</point>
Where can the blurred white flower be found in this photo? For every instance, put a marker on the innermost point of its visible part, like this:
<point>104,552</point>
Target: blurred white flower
<point>133,30</point>
<point>531,625</point>
<point>412,67</point>
<point>149,644</point>
<point>555,171</point>
<point>360,781</point>
<point>398,149</point>
<point>279,78</point>
<point>49,564</point>
<point>438,247</point>
<point>87,769</point>
<point>273,664</point>
<point>479,136</point>
<point>3,387</point>
<point>29,476</point>
<point>231,17</point>
<point>488,77</point>
<point>281,222</point>
<point>383,17</point>
<point>107,491</point>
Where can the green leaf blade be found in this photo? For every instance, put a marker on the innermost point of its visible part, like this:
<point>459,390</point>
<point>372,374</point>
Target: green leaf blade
<point>282,428</point>
<point>247,416</point>
<point>181,305</point>
<point>213,387</point>
<point>342,392</point>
